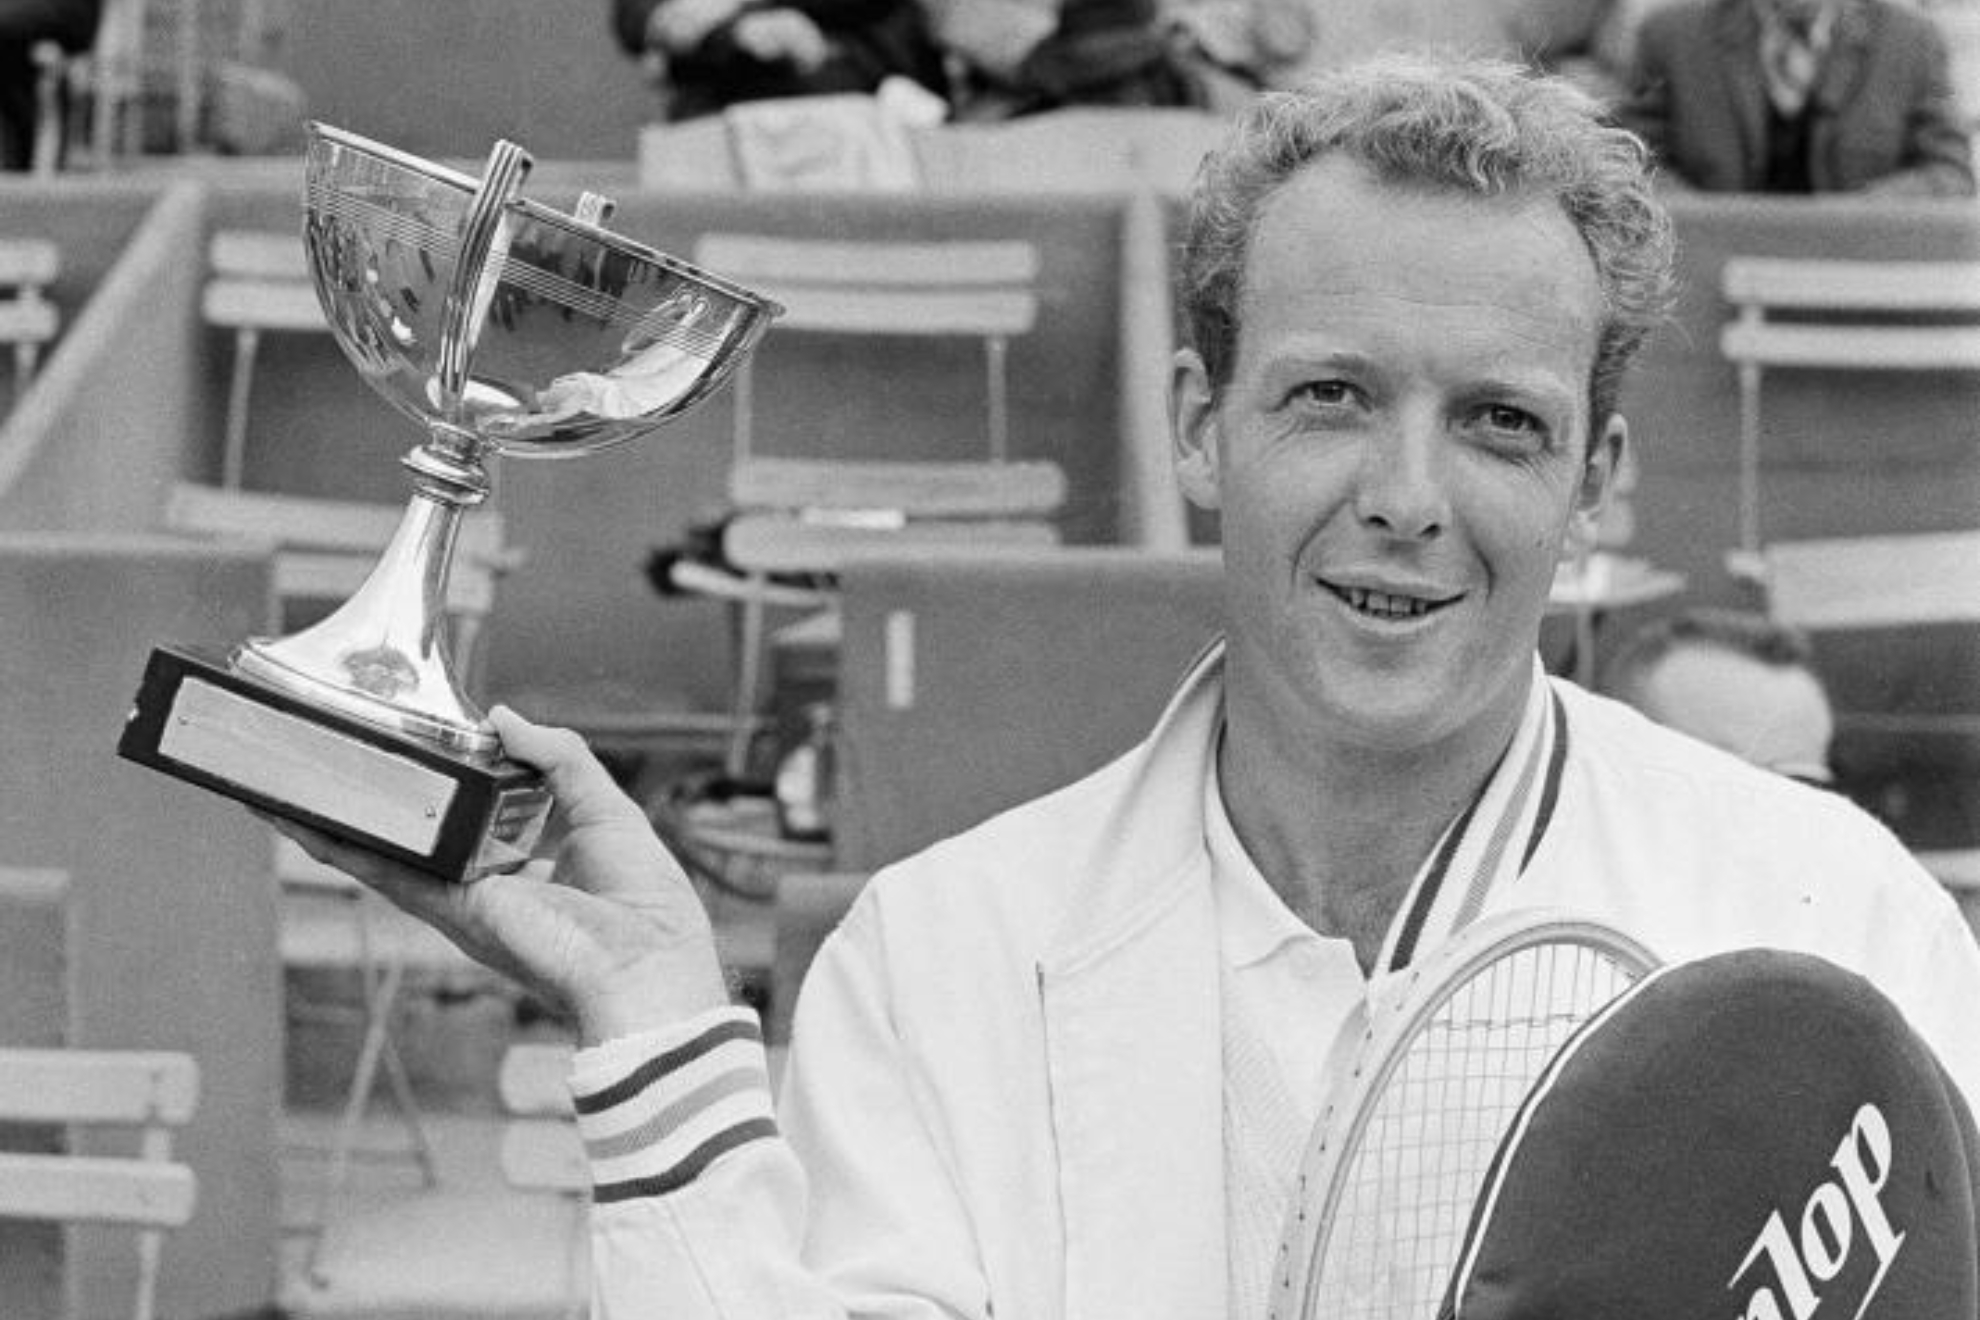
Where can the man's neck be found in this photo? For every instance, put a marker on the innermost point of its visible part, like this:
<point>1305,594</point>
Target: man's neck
<point>1338,830</point>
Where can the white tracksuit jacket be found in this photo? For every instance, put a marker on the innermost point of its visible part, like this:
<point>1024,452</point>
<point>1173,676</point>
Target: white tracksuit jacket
<point>1003,1097</point>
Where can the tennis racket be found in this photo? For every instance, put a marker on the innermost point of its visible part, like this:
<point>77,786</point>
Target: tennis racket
<point>1385,1189</point>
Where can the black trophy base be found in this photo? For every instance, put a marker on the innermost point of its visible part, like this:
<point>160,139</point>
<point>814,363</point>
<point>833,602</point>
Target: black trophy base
<point>451,815</point>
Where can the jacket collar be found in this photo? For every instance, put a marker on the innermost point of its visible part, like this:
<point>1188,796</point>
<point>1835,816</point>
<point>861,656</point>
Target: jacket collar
<point>1152,847</point>
<point>1133,1035</point>
<point>1152,843</point>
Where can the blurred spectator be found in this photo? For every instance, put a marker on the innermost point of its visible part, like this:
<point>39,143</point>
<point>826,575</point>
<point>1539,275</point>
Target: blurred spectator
<point>1240,46</point>
<point>1799,96</point>
<point>1557,35</point>
<point>1741,682</point>
<point>71,25</point>
<point>708,54</point>
<point>1018,57</point>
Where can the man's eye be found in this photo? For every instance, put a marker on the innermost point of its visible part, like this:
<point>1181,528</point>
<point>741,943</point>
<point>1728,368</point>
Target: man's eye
<point>1505,418</point>
<point>1326,393</point>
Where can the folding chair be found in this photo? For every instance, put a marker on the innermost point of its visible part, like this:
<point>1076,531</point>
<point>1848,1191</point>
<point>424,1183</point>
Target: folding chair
<point>259,282</point>
<point>797,520</point>
<point>28,320</point>
<point>1836,316</point>
<point>1596,577</point>
<point>1853,584</point>
<point>154,1092</point>
<point>1858,584</point>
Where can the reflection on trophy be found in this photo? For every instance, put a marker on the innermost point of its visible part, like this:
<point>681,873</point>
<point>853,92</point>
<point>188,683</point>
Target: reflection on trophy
<point>501,326</point>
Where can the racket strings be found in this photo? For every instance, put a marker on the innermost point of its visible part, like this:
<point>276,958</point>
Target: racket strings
<point>1405,1196</point>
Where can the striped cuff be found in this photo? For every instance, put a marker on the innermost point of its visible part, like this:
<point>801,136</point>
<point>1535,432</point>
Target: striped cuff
<point>656,1109</point>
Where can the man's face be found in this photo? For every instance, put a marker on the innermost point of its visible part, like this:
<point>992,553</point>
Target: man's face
<point>1400,451</point>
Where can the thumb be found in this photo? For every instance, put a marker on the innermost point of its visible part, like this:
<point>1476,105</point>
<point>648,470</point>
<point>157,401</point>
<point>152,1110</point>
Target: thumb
<point>584,789</point>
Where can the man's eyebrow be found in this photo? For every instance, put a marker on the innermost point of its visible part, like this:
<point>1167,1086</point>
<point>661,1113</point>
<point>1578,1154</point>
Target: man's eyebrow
<point>1540,385</point>
<point>1295,357</point>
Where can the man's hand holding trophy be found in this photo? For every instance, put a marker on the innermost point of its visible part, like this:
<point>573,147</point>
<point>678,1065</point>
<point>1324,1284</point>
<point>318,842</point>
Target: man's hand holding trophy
<point>501,326</point>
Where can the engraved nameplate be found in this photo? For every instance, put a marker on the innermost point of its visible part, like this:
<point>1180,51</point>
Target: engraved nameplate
<point>306,765</point>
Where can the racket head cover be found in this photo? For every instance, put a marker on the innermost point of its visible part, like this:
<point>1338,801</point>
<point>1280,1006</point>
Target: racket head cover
<point>1753,1134</point>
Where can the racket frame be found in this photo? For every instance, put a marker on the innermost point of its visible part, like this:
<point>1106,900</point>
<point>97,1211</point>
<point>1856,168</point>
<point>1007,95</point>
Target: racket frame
<point>1392,1027</point>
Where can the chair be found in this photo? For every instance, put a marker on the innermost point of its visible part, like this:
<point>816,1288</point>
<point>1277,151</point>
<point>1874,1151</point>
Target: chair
<point>154,1092</point>
<point>1839,316</point>
<point>797,521</point>
<point>28,320</point>
<point>1596,577</point>
<point>1878,582</point>
<point>324,549</point>
<point>258,282</point>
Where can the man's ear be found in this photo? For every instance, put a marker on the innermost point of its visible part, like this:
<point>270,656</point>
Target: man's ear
<point>1193,429</point>
<point>1602,479</point>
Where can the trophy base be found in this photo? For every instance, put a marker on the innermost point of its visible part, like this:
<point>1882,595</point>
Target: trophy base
<point>451,815</point>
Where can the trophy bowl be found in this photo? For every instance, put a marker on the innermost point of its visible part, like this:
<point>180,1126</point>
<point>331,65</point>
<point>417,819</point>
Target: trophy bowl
<point>499,326</point>
<point>571,338</point>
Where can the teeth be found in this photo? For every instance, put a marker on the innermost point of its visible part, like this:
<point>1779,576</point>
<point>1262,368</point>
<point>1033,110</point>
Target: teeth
<point>1384,605</point>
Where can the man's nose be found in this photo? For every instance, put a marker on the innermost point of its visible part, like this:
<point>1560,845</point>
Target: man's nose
<point>1400,485</point>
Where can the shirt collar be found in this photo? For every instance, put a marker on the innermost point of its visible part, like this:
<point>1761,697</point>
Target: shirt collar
<point>1489,843</point>
<point>1253,922</point>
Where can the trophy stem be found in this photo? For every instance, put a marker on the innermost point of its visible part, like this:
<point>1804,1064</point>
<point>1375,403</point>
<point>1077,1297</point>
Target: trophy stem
<point>383,655</point>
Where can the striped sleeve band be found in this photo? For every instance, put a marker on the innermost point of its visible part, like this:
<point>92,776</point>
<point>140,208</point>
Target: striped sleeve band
<point>656,1109</point>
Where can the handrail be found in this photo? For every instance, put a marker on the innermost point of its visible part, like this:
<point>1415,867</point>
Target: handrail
<point>41,418</point>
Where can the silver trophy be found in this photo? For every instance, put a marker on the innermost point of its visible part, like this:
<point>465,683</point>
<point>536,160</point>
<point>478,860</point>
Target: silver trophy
<point>501,326</point>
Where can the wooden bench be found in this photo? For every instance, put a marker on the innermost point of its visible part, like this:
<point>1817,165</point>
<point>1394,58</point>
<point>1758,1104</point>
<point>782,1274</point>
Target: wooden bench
<point>28,321</point>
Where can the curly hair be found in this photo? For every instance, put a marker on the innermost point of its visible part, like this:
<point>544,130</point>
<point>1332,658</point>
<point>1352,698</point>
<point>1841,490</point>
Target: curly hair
<point>1476,126</point>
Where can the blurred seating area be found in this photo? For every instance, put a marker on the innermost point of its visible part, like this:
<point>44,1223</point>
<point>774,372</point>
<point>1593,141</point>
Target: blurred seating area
<point>895,693</point>
<point>238,77</point>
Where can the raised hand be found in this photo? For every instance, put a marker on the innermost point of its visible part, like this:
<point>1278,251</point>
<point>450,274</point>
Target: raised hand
<point>610,930</point>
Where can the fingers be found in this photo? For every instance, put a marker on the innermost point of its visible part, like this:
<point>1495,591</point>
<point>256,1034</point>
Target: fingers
<point>584,789</point>
<point>441,904</point>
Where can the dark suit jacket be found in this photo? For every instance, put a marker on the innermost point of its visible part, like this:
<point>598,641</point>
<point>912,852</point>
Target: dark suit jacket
<point>1884,115</point>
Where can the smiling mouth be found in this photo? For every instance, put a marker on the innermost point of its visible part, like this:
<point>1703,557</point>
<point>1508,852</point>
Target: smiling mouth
<point>1384,605</point>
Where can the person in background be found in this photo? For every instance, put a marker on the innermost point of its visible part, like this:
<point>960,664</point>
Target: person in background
<point>707,54</point>
<point>1239,47</point>
<point>25,24</point>
<point>1007,58</point>
<point>1739,681</point>
<point>1062,1066</point>
<point>1800,96</point>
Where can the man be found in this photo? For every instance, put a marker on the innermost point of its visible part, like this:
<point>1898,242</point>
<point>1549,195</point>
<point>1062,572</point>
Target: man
<point>1741,682</point>
<point>1800,96</point>
<point>708,54</point>
<point>1064,1064</point>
